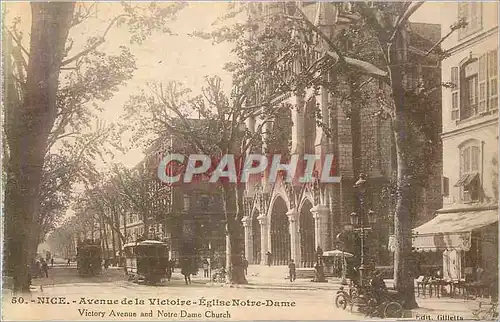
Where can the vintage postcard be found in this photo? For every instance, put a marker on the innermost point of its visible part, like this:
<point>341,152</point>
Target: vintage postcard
<point>188,161</point>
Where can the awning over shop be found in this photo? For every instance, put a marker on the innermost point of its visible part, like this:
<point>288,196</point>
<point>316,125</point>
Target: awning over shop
<point>466,179</point>
<point>449,230</point>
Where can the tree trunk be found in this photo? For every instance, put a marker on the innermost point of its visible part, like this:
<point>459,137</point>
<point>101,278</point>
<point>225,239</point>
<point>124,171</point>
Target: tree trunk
<point>403,279</point>
<point>105,236</point>
<point>116,227</point>
<point>29,131</point>
<point>234,259</point>
<point>35,240</point>
<point>125,228</point>
<point>101,239</point>
<point>113,240</point>
<point>355,133</point>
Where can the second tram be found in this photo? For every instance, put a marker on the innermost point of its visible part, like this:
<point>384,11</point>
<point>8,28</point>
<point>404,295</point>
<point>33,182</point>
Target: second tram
<point>146,260</point>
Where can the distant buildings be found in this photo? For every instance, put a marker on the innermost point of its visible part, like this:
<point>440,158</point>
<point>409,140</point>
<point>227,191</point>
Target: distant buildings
<point>188,217</point>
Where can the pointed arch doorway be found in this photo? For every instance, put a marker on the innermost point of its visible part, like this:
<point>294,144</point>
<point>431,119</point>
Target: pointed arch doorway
<point>280,233</point>
<point>307,235</point>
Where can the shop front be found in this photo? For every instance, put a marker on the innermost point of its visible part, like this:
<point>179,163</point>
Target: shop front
<point>467,240</point>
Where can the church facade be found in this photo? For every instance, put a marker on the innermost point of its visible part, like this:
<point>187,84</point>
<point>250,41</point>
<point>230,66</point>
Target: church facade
<point>286,220</point>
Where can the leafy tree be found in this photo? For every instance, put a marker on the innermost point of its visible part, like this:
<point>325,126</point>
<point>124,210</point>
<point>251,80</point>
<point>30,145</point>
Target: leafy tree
<point>373,47</point>
<point>139,192</point>
<point>71,163</point>
<point>220,129</point>
<point>48,89</point>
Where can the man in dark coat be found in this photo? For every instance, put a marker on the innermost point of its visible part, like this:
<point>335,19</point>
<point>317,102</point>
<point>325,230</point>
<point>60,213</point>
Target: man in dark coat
<point>269,258</point>
<point>45,268</point>
<point>206,267</point>
<point>291,271</point>
<point>169,270</point>
<point>378,286</point>
<point>245,265</point>
<point>186,271</point>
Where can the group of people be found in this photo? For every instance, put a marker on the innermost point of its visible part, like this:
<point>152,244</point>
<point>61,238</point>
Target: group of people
<point>319,275</point>
<point>188,268</point>
<point>41,268</point>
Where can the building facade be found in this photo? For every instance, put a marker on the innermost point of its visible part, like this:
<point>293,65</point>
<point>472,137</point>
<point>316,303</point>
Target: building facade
<point>289,220</point>
<point>187,216</point>
<point>467,225</point>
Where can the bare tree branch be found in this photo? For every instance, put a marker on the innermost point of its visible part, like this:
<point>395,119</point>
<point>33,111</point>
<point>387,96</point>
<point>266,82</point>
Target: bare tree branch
<point>99,42</point>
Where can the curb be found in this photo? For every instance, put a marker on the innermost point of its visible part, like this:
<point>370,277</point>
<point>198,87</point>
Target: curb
<point>270,287</point>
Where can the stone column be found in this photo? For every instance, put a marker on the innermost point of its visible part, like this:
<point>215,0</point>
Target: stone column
<point>247,224</point>
<point>293,216</point>
<point>320,215</point>
<point>298,123</point>
<point>264,232</point>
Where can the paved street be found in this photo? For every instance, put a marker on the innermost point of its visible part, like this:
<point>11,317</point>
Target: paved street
<point>278,299</point>
<point>206,299</point>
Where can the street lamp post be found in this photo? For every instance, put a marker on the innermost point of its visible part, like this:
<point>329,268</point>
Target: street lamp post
<point>361,224</point>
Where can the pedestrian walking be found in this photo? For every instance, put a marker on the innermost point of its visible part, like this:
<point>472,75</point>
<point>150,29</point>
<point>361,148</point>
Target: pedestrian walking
<point>319,254</point>
<point>291,271</point>
<point>269,257</point>
<point>205,265</point>
<point>68,262</point>
<point>245,265</point>
<point>52,262</point>
<point>38,269</point>
<point>169,270</point>
<point>186,271</point>
<point>29,275</point>
<point>319,273</point>
<point>172,265</point>
<point>45,268</point>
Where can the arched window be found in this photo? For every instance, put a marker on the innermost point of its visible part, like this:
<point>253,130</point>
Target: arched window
<point>470,166</point>
<point>469,93</point>
<point>474,86</point>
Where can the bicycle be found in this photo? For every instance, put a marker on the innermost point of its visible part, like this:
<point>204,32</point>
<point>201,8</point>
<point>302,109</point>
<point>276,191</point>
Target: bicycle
<point>489,314</point>
<point>219,276</point>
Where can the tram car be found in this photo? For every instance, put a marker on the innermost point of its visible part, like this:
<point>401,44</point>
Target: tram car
<point>88,258</point>
<point>146,261</point>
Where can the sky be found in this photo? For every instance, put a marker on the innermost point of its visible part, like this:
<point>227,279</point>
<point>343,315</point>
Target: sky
<point>164,57</point>
<point>182,58</point>
<point>161,57</point>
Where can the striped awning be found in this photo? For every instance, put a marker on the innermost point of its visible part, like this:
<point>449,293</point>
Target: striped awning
<point>466,179</point>
<point>449,230</point>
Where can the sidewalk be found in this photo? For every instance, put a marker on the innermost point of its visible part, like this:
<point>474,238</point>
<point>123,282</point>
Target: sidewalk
<point>283,283</point>
<point>443,308</point>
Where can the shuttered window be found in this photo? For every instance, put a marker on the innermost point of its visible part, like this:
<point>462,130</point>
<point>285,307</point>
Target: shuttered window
<point>455,110</point>
<point>493,80</point>
<point>482,84</point>
<point>469,181</point>
<point>472,13</point>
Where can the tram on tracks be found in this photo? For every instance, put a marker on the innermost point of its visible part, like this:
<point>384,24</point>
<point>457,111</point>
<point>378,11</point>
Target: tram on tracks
<point>88,258</point>
<point>146,261</point>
